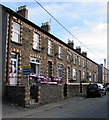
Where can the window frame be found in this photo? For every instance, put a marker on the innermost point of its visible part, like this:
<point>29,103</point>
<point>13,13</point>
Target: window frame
<point>74,74</point>
<point>34,60</point>
<point>68,55</point>
<point>60,52</point>
<point>36,41</point>
<point>59,67</point>
<point>14,74</point>
<point>16,31</point>
<point>49,47</point>
<point>75,59</point>
<point>79,60</point>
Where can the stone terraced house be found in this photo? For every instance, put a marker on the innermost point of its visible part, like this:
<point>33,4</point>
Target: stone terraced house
<point>26,44</point>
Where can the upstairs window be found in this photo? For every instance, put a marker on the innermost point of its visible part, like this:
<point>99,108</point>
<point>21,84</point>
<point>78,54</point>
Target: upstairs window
<point>83,63</point>
<point>16,32</point>
<point>68,56</point>
<point>79,61</point>
<point>36,41</point>
<point>75,59</point>
<point>49,47</point>
<point>60,52</point>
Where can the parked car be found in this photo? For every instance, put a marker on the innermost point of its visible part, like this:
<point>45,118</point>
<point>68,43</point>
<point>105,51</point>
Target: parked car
<point>107,88</point>
<point>104,89</point>
<point>96,89</point>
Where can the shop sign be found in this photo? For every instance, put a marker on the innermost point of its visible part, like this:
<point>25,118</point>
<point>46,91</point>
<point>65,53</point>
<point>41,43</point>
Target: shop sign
<point>26,69</point>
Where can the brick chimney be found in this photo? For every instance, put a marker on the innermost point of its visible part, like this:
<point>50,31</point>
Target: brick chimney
<point>78,49</point>
<point>22,10</point>
<point>46,26</point>
<point>84,54</point>
<point>71,44</point>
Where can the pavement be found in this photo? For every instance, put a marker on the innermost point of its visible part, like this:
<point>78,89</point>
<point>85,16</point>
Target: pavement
<point>12,111</point>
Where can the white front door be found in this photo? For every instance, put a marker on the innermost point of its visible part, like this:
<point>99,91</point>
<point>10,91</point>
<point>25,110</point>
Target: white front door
<point>14,69</point>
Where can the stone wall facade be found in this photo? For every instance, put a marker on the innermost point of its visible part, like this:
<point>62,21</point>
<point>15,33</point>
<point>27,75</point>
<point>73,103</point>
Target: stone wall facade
<point>25,50</point>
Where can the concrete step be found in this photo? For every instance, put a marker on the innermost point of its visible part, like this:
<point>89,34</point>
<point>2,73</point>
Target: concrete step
<point>32,101</point>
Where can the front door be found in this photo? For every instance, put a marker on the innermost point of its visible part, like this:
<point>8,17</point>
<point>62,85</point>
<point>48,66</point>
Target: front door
<point>14,69</point>
<point>49,69</point>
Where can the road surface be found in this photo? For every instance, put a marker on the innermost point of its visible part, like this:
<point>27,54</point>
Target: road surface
<point>95,107</point>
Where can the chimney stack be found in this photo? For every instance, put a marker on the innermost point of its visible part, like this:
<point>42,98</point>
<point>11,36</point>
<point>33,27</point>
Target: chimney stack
<point>84,54</point>
<point>22,10</point>
<point>71,44</point>
<point>46,26</point>
<point>78,49</point>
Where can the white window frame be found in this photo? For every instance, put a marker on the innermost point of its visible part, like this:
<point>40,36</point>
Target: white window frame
<point>74,74</point>
<point>79,60</point>
<point>60,67</point>
<point>67,74</point>
<point>83,74</point>
<point>83,62</point>
<point>36,41</point>
<point>49,47</point>
<point>75,59</point>
<point>60,52</point>
<point>68,55</point>
<point>16,32</point>
<point>35,61</point>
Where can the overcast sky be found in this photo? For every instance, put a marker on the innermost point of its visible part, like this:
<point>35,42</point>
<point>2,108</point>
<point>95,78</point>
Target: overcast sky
<point>87,21</point>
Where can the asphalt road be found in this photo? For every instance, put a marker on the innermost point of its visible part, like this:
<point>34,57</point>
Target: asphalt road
<point>95,107</point>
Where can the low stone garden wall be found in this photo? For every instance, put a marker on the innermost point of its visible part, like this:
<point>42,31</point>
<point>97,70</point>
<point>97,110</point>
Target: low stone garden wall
<point>19,95</point>
<point>74,90</point>
<point>50,93</point>
<point>22,95</point>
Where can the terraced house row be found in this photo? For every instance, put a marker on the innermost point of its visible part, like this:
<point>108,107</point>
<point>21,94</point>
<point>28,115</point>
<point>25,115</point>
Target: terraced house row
<point>48,56</point>
<point>25,43</point>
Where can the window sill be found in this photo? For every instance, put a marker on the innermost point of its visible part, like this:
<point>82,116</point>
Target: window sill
<point>16,43</point>
<point>68,61</point>
<point>59,58</point>
<point>49,55</point>
<point>37,50</point>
